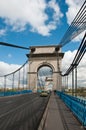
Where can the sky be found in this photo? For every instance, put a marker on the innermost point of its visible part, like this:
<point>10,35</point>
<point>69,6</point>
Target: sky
<point>33,23</point>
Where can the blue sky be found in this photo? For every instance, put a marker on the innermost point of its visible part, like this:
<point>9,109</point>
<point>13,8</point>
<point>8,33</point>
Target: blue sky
<point>37,23</point>
<point>44,22</point>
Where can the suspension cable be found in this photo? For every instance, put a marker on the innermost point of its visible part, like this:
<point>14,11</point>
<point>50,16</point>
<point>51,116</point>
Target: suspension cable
<point>15,70</point>
<point>12,45</point>
<point>80,53</point>
<point>77,26</point>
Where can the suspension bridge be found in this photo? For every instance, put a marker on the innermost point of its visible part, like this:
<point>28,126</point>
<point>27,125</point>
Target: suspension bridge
<point>22,108</point>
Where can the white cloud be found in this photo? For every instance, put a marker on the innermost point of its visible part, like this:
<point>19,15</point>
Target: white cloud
<point>79,37</point>
<point>73,8</point>
<point>2,32</point>
<point>6,68</point>
<point>19,13</point>
<point>66,62</point>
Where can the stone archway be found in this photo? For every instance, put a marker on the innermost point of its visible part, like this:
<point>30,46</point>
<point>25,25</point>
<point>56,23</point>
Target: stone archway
<point>44,55</point>
<point>45,77</point>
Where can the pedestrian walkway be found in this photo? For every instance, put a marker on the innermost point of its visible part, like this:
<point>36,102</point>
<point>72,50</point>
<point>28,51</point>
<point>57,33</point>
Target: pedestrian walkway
<point>59,117</point>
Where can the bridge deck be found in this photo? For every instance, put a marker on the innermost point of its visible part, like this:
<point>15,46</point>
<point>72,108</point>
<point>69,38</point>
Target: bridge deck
<point>59,117</point>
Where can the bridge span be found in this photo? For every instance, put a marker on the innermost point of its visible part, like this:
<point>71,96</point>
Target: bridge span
<point>26,110</point>
<point>22,107</point>
<point>32,112</point>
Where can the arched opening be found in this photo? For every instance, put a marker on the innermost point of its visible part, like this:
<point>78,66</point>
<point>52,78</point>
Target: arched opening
<point>45,78</point>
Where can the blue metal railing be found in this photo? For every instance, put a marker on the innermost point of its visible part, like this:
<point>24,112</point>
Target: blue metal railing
<point>76,105</point>
<point>15,92</point>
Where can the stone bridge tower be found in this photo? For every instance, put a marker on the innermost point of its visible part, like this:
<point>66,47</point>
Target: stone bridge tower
<point>45,56</point>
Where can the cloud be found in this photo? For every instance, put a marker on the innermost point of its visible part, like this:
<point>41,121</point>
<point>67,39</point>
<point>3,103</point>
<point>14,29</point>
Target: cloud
<point>81,69</point>
<point>73,8</point>
<point>79,37</point>
<point>6,68</point>
<point>32,13</point>
<point>2,32</point>
<point>67,60</point>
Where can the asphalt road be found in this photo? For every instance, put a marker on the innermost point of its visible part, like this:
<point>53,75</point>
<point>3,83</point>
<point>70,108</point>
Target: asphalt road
<point>21,112</point>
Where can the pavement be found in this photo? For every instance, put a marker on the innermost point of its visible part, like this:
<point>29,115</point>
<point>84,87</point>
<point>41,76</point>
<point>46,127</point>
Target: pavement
<point>59,117</point>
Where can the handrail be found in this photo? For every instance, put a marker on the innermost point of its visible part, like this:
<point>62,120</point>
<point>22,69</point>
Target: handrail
<point>76,105</point>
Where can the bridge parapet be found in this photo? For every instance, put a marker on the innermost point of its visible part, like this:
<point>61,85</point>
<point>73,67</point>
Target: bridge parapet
<point>76,105</point>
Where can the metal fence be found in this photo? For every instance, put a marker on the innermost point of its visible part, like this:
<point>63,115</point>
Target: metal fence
<point>15,82</point>
<point>76,105</point>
